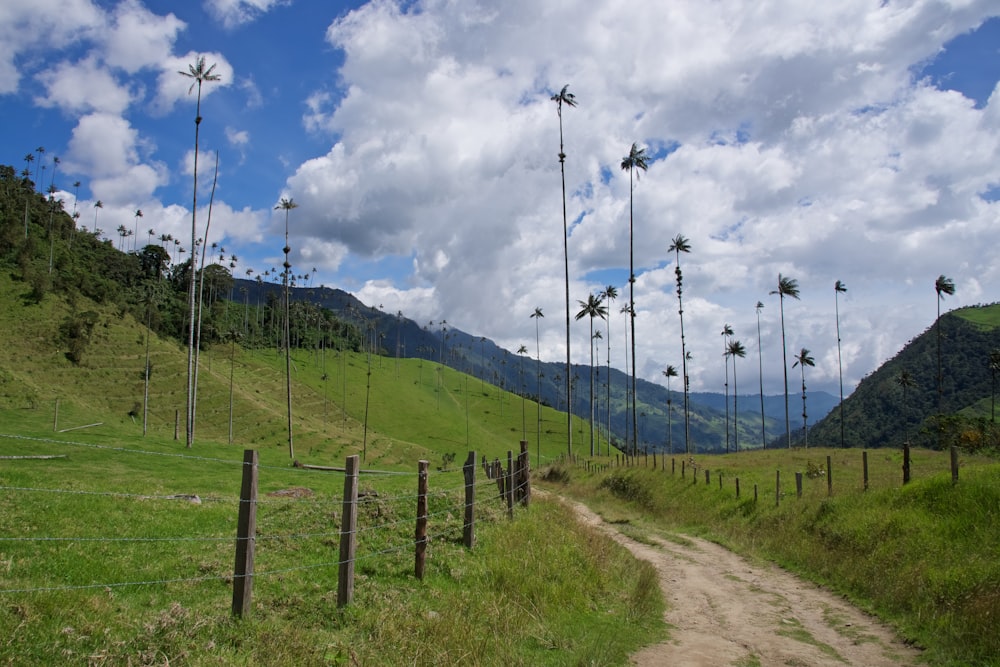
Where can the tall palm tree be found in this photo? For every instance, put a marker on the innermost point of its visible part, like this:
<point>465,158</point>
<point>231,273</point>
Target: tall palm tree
<point>634,162</point>
<point>135,232</point>
<point>287,205</point>
<point>838,289</point>
<point>905,381</point>
<point>727,332</point>
<point>943,285</point>
<point>669,372</point>
<point>678,245</point>
<point>802,359</point>
<point>626,310</point>
<point>39,167</point>
<point>786,287</point>
<point>521,351</point>
<point>200,75</point>
<point>592,307</point>
<point>537,315</point>
<point>567,98</point>
<point>735,349</point>
<point>760,369</point>
<point>994,369</point>
<point>610,294</point>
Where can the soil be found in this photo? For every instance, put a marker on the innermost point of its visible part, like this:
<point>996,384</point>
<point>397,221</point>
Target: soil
<point>725,610</point>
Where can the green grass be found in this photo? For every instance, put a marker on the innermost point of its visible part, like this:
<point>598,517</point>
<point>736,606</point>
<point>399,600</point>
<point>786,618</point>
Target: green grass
<point>987,317</point>
<point>538,590</point>
<point>925,557</point>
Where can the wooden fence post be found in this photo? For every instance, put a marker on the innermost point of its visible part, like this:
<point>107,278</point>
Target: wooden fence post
<point>777,487</point>
<point>246,527</point>
<point>829,477</point>
<point>906,463</point>
<point>509,484</point>
<point>798,485</point>
<point>55,417</point>
<point>524,484</point>
<point>864,466</point>
<point>420,538</point>
<point>706,477</point>
<point>348,533</point>
<point>954,464</point>
<point>737,488</point>
<point>469,525</point>
<point>719,475</point>
<point>683,468</point>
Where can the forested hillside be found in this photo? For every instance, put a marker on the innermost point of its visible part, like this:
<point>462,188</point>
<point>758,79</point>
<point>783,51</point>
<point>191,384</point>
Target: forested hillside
<point>899,401</point>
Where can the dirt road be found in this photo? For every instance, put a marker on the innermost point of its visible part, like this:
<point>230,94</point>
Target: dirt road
<point>725,610</point>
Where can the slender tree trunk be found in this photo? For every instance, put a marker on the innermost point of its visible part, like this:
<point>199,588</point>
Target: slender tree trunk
<point>189,430</point>
<point>784,368</point>
<point>840,367</point>
<point>760,368</point>
<point>631,317</point>
<point>569,407</point>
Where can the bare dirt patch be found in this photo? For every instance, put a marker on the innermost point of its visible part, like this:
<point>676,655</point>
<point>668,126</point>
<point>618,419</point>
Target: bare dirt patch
<point>725,610</point>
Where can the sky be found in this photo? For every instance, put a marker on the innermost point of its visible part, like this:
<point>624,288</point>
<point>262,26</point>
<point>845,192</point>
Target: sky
<point>856,140</point>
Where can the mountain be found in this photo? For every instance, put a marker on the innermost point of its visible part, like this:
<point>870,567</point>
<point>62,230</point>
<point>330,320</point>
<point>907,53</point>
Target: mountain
<point>493,365</point>
<point>881,414</point>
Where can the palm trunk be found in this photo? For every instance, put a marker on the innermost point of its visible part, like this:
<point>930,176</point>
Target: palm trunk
<point>189,430</point>
<point>760,367</point>
<point>569,407</point>
<point>784,368</point>
<point>631,314</point>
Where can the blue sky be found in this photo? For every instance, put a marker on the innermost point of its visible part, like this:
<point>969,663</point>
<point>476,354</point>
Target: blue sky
<point>855,141</point>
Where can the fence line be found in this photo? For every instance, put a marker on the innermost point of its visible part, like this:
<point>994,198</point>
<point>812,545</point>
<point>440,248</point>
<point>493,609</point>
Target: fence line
<point>515,482</point>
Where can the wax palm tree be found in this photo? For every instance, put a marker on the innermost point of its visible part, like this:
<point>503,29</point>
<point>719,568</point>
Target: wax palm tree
<point>678,245</point>
<point>786,287</point>
<point>521,351</point>
<point>803,359</point>
<point>200,75</point>
<point>287,205</point>
<point>760,370</point>
<point>994,369</point>
<point>610,294</point>
<point>735,349</point>
<point>592,307</point>
<point>905,381</point>
<point>726,333</point>
<point>55,165</point>
<point>669,372</point>
<point>943,286</point>
<point>98,205</point>
<point>626,310</point>
<point>633,163</point>
<point>537,315</point>
<point>135,232</point>
<point>839,288</point>
<point>567,98</point>
<point>39,167</point>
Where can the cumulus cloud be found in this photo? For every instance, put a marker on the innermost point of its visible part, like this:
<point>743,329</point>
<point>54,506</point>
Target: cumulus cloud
<point>786,138</point>
<point>232,13</point>
<point>83,87</point>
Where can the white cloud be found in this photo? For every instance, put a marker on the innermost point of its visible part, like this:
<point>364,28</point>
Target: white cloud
<point>29,27</point>
<point>233,13</point>
<point>804,147</point>
<point>106,148</point>
<point>138,39</point>
<point>83,87</point>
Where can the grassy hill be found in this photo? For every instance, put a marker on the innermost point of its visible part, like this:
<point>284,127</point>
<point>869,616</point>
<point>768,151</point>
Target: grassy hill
<point>880,414</point>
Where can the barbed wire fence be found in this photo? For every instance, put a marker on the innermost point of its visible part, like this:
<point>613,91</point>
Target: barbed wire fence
<point>370,522</point>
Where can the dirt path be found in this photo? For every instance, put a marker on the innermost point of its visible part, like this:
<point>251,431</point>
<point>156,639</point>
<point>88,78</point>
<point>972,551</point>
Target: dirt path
<point>725,610</point>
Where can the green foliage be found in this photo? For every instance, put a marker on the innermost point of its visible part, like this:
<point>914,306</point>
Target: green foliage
<point>880,414</point>
<point>77,331</point>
